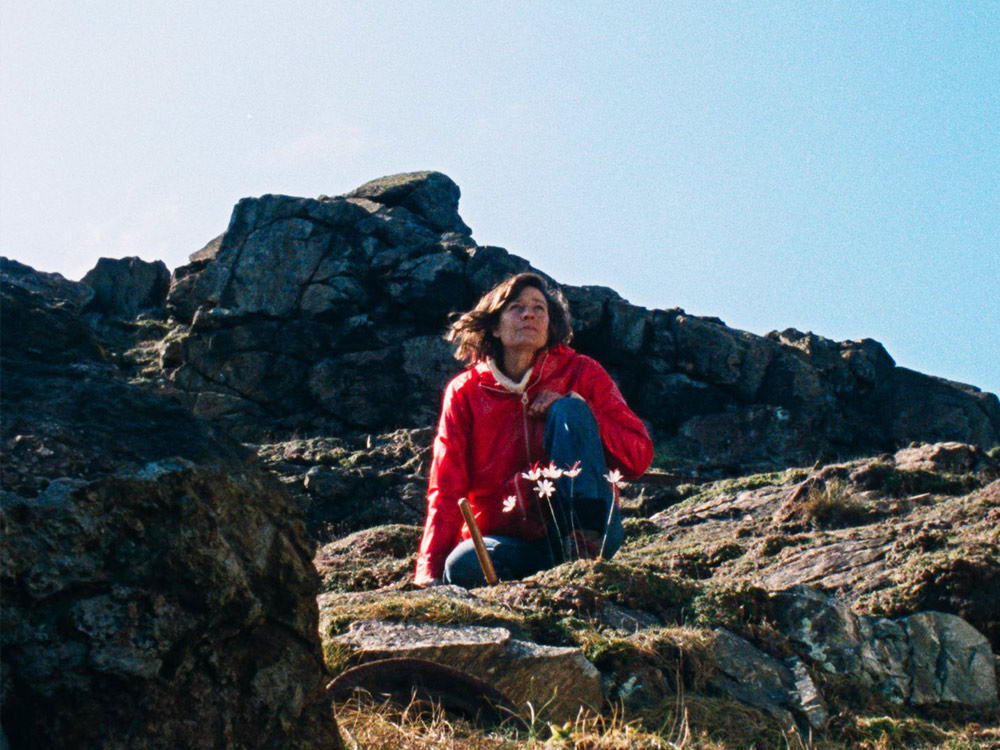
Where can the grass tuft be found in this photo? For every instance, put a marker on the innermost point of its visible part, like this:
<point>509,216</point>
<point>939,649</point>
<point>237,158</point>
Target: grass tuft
<point>833,506</point>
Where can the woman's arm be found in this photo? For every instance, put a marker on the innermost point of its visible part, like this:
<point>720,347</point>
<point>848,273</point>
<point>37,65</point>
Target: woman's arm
<point>449,482</point>
<point>626,441</point>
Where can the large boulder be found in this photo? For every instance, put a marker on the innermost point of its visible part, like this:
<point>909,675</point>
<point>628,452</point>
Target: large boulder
<point>556,680</point>
<point>158,590</point>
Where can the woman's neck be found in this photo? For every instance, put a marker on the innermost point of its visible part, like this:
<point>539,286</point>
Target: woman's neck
<point>516,362</point>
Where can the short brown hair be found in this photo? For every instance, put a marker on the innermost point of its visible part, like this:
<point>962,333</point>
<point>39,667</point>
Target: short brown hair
<point>473,331</point>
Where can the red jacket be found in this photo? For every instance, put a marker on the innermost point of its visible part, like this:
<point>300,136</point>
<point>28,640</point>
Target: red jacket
<point>485,440</point>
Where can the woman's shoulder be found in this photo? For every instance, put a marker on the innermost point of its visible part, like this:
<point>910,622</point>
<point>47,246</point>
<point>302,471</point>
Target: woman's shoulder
<point>470,376</point>
<point>579,372</point>
<point>569,357</point>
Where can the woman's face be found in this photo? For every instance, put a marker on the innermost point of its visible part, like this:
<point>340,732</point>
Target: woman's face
<point>524,321</point>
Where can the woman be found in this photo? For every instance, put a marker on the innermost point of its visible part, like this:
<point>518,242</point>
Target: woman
<point>527,401</point>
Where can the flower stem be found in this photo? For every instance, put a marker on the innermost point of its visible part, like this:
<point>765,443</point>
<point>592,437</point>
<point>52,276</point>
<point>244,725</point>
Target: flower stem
<point>607,523</point>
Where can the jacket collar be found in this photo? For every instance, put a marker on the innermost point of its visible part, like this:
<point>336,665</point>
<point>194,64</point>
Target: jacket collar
<point>506,382</point>
<point>491,376</point>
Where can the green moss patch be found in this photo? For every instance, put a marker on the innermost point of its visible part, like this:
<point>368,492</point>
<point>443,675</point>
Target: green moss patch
<point>369,559</point>
<point>628,586</point>
<point>883,477</point>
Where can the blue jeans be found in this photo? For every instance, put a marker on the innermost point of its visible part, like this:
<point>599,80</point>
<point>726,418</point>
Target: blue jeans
<point>583,502</point>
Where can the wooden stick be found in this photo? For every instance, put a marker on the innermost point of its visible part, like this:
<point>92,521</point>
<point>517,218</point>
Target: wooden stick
<point>477,540</point>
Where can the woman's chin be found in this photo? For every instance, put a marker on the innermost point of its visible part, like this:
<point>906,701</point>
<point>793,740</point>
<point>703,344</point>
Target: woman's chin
<point>528,343</point>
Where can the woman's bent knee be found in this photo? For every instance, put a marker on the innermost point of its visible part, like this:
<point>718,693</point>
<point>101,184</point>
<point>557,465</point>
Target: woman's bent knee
<point>512,559</point>
<point>462,567</point>
<point>570,408</point>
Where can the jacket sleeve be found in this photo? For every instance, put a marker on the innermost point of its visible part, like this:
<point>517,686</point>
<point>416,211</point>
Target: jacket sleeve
<point>449,482</point>
<point>626,441</point>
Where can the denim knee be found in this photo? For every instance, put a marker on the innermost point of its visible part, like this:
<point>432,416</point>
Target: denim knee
<point>462,567</point>
<point>571,435</point>
<point>512,559</point>
<point>572,410</point>
<point>571,431</point>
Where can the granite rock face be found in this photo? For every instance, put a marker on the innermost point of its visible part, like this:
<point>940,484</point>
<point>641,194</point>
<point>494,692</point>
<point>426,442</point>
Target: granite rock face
<point>325,316</point>
<point>157,587</point>
<point>928,658</point>
<point>783,689</point>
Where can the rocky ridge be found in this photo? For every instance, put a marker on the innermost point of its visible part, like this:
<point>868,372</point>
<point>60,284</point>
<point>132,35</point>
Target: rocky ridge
<point>305,313</point>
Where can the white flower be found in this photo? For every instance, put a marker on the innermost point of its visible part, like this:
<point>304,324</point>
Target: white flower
<point>552,471</point>
<point>545,488</point>
<point>573,470</point>
<point>615,477</point>
<point>509,503</point>
<point>533,475</point>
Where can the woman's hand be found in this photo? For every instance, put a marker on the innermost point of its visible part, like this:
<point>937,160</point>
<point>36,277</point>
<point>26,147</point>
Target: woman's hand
<point>539,408</point>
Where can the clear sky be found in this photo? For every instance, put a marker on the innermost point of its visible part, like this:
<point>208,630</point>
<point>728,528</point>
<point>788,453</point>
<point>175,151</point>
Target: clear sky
<point>832,167</point>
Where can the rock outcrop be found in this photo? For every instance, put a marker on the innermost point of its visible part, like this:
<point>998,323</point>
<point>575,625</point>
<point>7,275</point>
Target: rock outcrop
<point>783,689</point>
<point>306,313</point>
<point>157,587</point>
<point>925,659</point>
<point>886,537</point>
<point>127,286</point>
<point>787,653</point>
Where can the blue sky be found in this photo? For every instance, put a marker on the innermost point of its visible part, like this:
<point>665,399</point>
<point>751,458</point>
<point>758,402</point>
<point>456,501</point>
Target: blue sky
<point>833,167</point>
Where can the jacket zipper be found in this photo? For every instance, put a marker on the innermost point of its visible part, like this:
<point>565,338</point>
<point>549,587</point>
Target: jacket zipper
<point>524,421</point>
<point>540,370</point>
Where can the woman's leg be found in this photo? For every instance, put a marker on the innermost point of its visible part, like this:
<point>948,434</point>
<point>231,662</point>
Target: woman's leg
<point>586,501</point>
<point>512,559</point>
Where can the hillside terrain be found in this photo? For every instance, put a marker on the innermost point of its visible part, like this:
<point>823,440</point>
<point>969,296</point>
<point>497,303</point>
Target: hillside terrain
<point>213,490</point>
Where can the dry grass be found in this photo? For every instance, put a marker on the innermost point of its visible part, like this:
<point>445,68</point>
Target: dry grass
<point>384,727</point>
<point>682,723</point>
<point>686,722</point>
<point>895,733</point>
<point>422,727</point>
